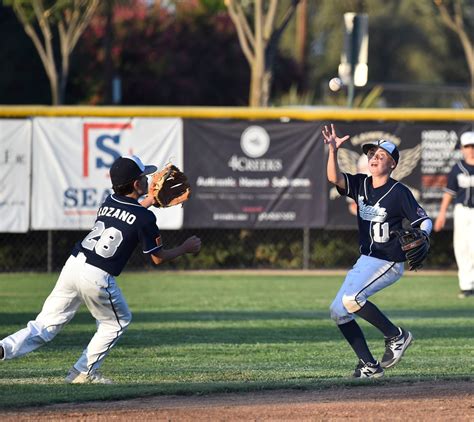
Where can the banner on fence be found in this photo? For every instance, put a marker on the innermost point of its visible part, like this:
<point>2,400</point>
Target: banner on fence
<point>255,174</point>
<point>427,154</point>
<point>15,170</point>
<point>72,158</point>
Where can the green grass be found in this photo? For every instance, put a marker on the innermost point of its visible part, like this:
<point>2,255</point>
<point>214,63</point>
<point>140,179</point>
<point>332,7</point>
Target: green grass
<point>197,334</point>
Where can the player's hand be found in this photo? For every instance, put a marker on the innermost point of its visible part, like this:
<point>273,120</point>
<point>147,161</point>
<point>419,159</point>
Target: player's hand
<point>331,139</point>
<point>439,223</point>
<point>192,245</point>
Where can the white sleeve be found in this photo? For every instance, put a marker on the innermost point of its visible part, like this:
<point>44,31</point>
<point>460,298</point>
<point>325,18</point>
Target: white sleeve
<point>426,226</point>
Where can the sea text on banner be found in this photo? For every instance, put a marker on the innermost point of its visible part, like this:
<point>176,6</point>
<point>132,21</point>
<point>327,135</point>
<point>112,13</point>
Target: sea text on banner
<point>72,158</point>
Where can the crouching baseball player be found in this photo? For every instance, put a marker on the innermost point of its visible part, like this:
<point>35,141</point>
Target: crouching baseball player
<point>382,204</point>
<point>89,274</point>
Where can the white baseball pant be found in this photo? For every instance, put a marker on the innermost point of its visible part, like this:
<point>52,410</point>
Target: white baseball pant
<point>464,245</point>
<point>78,283</point>
<point>368,276</point>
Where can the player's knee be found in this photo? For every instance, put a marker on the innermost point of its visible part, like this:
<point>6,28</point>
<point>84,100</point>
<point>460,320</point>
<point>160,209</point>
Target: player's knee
<point>126,320</point>
<point>337,311</point>
<point>42,332</point>
<point>50,332</point>
<point>351,303</point>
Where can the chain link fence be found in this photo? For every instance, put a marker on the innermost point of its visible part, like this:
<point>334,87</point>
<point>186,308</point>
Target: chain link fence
<point>47,251</point>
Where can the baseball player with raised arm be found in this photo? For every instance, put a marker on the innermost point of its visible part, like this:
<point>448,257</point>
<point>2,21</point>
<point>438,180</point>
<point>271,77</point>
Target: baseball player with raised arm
<point>382,204</point>
<point>460,189</point>
<point>88,276</point>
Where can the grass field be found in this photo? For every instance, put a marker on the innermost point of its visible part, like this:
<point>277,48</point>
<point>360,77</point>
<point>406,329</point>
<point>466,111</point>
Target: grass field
<point>202,333</point>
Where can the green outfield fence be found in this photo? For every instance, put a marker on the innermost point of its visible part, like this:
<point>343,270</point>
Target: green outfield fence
<point>230,248</point>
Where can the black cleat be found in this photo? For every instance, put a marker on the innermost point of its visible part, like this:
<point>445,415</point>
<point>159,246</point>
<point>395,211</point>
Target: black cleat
<point>465,293</point>
<point>368,370</point>
<point>395,347</point>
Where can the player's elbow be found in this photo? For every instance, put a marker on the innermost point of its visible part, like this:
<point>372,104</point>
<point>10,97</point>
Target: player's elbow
<point>332,177</point>
<point>338,181</point>
<point>157,260</point>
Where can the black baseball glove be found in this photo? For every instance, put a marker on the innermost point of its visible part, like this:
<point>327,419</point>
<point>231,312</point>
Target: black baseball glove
<point>416,244</point>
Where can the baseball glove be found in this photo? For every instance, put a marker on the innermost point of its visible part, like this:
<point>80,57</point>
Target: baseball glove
<point>416,244</point>
<point>169,187</point>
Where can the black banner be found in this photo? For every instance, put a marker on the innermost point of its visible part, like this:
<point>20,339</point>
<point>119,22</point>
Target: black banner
<point>427,153</point>
<point>255,174</point>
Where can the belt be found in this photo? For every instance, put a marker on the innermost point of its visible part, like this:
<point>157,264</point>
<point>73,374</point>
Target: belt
<point>79,256</point>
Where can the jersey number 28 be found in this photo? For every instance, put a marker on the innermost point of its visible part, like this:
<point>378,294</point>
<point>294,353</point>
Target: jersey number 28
<point>104,241</point>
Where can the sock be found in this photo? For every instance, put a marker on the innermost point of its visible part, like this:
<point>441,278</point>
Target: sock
<point>1,352</point>
<point>374,316</point>
<point>353,334</point>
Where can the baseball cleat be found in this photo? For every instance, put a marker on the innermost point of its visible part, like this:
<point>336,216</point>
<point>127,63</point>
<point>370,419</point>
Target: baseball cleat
<point>368,370</point>
<point>465,293</point>
<point>76,377</point>
<point>2,353</point>
<point>395,347</point>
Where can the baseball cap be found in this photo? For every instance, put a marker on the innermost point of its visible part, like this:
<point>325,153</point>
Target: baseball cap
<point>385,145</point>
<point>128,168</point>
<point>467,138</point>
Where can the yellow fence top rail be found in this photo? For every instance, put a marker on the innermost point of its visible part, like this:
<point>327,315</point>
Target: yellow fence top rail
<point>284,113</point>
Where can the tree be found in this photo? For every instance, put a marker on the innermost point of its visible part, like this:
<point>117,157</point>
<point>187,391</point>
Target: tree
<point>71,18</point>
<point>453,18</point>
<point>259,46</point>
<point>175,58</point>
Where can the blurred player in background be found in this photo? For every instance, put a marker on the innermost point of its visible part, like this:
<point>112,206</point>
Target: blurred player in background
<point>382,204</point>
<point>89,274</point>
<point>460,188</point>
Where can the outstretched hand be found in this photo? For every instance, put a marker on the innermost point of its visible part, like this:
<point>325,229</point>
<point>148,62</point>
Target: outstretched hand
<point>331,139</point>
<point>440,222</point>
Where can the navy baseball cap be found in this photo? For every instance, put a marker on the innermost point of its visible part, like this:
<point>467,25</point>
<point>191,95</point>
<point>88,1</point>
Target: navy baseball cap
<point>128,168</point>
<point>385,145</point>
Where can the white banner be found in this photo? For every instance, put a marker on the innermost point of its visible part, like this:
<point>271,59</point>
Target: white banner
<point>15,169</point>
<point>72,158</point>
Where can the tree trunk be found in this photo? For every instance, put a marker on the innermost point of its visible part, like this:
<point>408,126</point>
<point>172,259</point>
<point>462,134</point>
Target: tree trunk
<point>51,72</point>
<point>108,65</point>
<point>258,65</point>
<point>255,94</point>
<point>260,46</point>
<point>266,87</point>
<point>63,79</point>
<point>301,33</point>
<point>54,85</point>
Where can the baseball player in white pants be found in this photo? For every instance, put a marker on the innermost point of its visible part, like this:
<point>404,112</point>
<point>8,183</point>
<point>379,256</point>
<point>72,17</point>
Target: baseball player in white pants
<point>382,205</point>
<point>460,190</point>
<point>89,274</point>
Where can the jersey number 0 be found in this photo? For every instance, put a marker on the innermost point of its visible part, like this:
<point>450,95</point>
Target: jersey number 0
<point>104,241</point>
<point>381,232</point>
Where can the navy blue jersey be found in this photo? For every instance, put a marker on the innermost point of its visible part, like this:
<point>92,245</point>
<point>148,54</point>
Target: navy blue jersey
<point>121,224</point>
<point>461,183</point>
<point>381,211</point>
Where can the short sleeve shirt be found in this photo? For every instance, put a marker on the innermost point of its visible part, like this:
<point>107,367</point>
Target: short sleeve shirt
<point>380,211</point>
<point>121,224</point>
<point>461,184</point>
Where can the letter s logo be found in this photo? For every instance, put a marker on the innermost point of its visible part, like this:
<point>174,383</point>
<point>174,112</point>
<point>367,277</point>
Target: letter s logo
<point>101,146</point>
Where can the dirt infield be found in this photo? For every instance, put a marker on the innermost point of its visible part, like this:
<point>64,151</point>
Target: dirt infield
<point>423,401</point>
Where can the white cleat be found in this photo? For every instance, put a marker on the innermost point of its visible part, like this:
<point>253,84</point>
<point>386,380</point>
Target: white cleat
<point>76,377</point>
